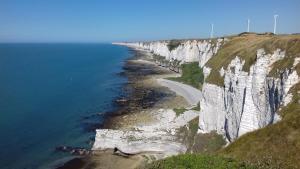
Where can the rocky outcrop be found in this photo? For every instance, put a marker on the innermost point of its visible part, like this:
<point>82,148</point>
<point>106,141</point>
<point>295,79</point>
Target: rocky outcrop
<point>77,151</point>
<point>157,137</point>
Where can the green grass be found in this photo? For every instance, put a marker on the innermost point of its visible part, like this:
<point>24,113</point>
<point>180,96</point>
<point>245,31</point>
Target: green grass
<point>173,44</point>
<point>208,143</point>
<point>197,107</point>
<point>179,111</point>
<point>193,126</point>
<point>188,132</point>
<point>246,47</point>
<point>275,146</point>
<point>192,75</point>
<point>198,161</point>
<point>282,64</point>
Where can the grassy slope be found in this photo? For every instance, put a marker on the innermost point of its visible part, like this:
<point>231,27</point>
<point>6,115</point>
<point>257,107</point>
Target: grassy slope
<point>277,145</point>
<point>179,111</point>
<point>209,143</point>
<point>192,75</point>
<point>198,143</point>
<point>197,161</point>
<point>245,47</point>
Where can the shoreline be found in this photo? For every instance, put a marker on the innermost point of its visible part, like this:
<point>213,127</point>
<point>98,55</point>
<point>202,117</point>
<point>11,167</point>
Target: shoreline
<point>132,114</point>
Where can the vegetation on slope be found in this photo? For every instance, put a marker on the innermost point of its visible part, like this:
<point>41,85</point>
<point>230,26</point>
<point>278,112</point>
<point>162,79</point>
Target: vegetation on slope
<point>192,75</point>
<point>275,146</point>
<point>190,133</point>
<point>208,143</point>
<point>197,107</point>
<point>292,47</point>
<point>160,60</point>
<point>173,44</point>
<point>198,161</point>
<point>173,64</point>
<point>283,64</point>
<point>197,143</point>
<point>245,46</point>
<point>179,111</point>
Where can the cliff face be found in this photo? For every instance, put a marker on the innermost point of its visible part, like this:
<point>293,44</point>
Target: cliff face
<point>247,101</point>
<point>187,51</point>
<point>241,100</point>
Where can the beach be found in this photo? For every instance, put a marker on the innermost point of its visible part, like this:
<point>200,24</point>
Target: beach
<point>149,107</point>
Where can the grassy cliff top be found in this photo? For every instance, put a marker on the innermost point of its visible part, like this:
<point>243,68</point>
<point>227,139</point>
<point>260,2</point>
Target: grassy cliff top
<point>246,45</point>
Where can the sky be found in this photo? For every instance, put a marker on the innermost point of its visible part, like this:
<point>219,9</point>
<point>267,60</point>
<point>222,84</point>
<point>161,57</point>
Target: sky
<point>140,20</point>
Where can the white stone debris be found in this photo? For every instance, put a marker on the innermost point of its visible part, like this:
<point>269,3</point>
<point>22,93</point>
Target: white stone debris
<point>158,137</point>
<point>206,71</point>
<point>296,61</point>
<point>222,72</point>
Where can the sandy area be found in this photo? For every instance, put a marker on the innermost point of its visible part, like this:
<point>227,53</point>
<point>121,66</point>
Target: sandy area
<point>107,159</point>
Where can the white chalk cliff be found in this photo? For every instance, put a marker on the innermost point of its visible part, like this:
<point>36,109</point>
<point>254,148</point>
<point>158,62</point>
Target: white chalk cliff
<point>188,51</point>
<point>157,137</point>
<point>247,101</point>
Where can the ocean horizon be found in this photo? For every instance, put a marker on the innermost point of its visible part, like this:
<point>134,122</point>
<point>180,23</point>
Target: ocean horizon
<point>49,91</point>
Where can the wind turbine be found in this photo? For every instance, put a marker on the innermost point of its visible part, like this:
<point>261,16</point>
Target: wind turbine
<point>275,23</point>
<point>212,31</point>
<point>248,28</point>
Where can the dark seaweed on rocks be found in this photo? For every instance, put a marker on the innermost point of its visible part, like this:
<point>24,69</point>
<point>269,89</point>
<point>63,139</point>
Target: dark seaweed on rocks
<point>134,97</point>
<point>73,164</point>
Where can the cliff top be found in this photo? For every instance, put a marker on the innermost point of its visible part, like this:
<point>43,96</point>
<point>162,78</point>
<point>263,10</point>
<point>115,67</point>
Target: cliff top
<point>245,46</point>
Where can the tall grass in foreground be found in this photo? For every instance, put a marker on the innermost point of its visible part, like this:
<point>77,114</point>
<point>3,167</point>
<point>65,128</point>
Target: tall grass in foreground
<point>198,161</point>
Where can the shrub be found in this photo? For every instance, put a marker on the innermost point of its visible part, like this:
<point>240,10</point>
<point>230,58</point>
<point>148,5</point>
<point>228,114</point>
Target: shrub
<point>179,111</point>
<point>197,107</point>
<point>192,75</point>
<point>173,44</point>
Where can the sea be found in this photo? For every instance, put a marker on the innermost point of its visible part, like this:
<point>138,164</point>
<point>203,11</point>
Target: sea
<point>55,94</point>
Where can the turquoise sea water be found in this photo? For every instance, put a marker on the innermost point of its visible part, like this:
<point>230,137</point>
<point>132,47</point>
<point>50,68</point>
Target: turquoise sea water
<point>47,93</point>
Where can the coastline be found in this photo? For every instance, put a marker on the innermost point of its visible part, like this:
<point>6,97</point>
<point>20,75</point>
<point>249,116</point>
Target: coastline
<point>145,94</point>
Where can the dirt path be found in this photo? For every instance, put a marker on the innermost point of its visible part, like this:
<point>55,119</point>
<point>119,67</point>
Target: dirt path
<point>192,95</point>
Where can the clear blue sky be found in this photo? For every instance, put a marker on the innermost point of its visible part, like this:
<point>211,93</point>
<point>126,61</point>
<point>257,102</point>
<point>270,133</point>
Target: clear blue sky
<point>133,20</point>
